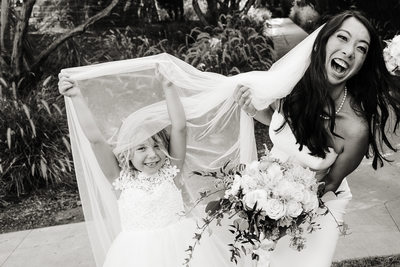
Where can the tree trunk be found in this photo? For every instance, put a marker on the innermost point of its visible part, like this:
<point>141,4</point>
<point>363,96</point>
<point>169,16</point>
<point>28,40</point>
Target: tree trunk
<point>213,12</point>
<point>5,5</point>
<point>78,30</point>
<point>20,32</point>
<point>199,13</point>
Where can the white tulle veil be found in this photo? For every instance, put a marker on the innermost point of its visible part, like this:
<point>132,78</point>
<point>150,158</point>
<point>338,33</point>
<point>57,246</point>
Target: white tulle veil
<point>128,105</point>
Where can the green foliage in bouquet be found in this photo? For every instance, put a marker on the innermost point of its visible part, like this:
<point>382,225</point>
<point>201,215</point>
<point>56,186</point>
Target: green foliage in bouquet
<point>235,45</point>
<point>34,146</point>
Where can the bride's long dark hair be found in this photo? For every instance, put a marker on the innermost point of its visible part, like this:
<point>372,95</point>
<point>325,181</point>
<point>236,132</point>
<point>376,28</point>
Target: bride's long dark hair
<point>373,89</point>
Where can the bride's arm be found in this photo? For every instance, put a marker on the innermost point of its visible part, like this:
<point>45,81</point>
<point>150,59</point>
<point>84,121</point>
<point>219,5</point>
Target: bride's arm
<point>354,148</point>
<point>103,152</point>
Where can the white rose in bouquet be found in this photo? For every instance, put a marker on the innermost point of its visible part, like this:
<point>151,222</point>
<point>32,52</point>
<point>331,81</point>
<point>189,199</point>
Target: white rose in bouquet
<point>310,201</point>
<point>252,169</point>
<point>275,172</point>
<point>258,195</point>
<point>294,209</point>
<point>275,209</point>
<point>288,190</point>
<point>297,192</point>
<point>248,183</point>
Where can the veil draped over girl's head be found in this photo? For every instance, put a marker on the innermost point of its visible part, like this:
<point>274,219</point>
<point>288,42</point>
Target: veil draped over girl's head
<point>128,104</point>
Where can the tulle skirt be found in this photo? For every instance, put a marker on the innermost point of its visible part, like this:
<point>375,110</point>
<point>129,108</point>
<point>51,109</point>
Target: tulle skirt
<point>165,247</point>
<point>321,244</point>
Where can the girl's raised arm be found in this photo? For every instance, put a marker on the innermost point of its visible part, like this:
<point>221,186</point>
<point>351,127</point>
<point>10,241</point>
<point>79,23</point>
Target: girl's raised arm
<point>103,152</point>
<point>177,146</point>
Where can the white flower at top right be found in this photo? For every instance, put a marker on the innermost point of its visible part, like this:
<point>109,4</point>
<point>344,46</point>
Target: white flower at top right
<point>391,54</point>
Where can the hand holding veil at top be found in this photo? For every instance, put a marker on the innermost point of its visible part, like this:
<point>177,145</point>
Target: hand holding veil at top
<point>126,95</point>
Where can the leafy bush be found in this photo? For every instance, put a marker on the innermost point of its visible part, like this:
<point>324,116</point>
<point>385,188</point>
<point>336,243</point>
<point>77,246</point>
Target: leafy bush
<point>126,45</point>
<point>235,45</point>
<point>34,146</point>
<point>304,15</point>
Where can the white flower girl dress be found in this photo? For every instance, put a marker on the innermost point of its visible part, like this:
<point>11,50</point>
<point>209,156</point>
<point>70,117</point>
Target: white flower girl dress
<point>154,231</point>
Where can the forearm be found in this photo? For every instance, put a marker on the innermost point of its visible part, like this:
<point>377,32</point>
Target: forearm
<point>175,108</point>
<point>86,120</point>
<point>331,183</point>
<point>264,116</point>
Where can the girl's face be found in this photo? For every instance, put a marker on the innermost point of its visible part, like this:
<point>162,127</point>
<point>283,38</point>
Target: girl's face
<point>346,51</point>
<point>148,157</point>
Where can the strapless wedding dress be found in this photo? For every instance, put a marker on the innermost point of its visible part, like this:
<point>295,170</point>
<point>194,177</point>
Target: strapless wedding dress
<point>321,244</point>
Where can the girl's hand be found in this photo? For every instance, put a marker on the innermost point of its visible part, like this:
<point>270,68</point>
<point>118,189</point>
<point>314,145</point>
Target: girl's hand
<point>242,97</point>
<point>68,86</point>
<point>161,78</point>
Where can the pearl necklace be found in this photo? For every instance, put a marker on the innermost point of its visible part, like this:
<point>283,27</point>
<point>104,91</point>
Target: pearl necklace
<point>340,106</point>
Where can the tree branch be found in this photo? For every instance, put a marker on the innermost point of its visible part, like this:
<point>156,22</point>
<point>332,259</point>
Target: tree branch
<point>76,31</point>
<point>199,13</point>
<point>20,32</point>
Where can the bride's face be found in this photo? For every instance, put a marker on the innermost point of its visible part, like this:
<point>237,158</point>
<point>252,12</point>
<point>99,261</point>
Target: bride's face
<point>148,156</point>
<point>346,51</point>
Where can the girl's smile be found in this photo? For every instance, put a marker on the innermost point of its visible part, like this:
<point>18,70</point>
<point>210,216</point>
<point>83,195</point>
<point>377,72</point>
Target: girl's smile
<point>148,157</point>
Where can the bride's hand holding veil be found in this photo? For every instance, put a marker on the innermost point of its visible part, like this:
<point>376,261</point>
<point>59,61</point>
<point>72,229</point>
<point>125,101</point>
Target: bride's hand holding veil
<point>243,97</point>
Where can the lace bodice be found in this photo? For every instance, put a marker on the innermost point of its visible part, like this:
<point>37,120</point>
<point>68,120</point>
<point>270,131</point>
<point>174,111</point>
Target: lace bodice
<point>285,147</point>
<point>148,202</point>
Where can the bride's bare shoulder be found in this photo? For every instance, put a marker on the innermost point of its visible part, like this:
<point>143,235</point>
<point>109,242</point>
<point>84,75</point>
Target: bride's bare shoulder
<point>354,124</point>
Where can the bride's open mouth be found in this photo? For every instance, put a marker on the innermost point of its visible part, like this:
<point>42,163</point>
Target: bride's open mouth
<point>339,66</point>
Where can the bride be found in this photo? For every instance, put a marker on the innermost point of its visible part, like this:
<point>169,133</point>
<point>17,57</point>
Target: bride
<point>329,122</point>
<point>219,130</point>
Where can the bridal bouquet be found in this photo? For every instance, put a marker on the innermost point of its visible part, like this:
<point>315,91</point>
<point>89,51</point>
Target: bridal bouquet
<point>266,200</point>
<point>391,54</point>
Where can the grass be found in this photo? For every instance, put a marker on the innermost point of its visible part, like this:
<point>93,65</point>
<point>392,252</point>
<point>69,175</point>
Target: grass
<point>386,261</point>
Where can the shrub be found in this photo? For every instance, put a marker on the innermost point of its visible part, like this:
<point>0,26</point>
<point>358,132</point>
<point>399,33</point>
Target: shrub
<point>235,45</point>
<point>304,15</point>
<point>34,146</point>
<point>128,43</point>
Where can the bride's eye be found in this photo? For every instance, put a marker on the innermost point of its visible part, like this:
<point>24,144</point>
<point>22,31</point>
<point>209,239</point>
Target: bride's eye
<point>342,37</point>
<point>363,49</point>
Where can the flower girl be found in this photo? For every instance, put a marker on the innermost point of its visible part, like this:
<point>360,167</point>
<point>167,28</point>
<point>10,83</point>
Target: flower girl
<point>144,173</point>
